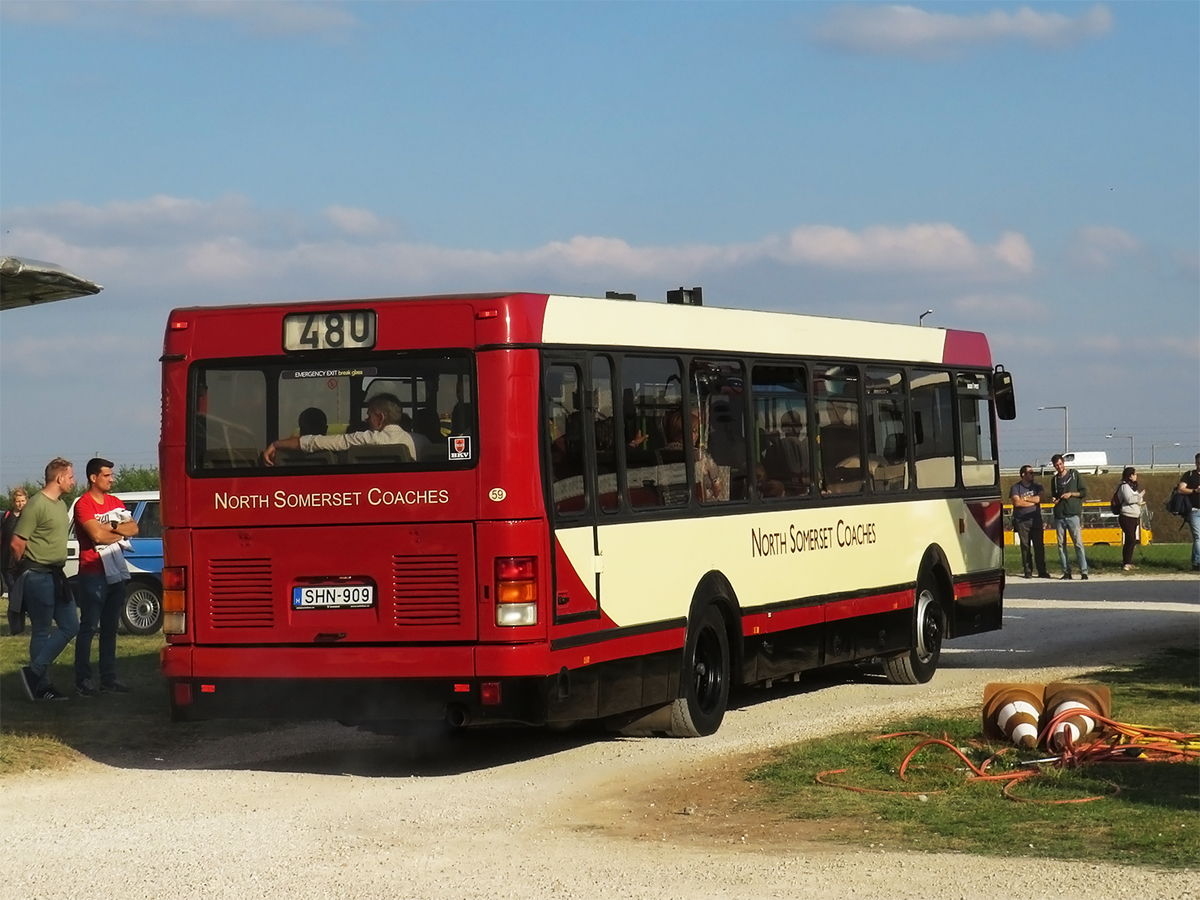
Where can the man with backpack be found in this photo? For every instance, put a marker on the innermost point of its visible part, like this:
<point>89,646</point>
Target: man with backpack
<point>1068,491</point>
<point>1190,488</point>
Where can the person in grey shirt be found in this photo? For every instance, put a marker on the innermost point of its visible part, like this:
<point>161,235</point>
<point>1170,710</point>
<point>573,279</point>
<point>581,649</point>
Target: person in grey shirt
<point>1027,496</point>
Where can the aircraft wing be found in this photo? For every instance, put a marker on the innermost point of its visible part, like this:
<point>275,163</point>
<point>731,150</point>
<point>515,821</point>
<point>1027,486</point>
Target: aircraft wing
<point>24,282</point>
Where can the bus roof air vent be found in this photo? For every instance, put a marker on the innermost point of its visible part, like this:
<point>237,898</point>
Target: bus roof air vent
<point>617,295</point>
<point>686,296</point>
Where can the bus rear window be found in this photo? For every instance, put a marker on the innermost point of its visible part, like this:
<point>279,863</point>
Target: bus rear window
<point>409,411</point>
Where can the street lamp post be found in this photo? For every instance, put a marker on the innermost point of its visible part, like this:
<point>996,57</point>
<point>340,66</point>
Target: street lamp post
<point>1153,446</point>
<point>1066,425</point>
<point>921,317</point>
<point>1130,436</point>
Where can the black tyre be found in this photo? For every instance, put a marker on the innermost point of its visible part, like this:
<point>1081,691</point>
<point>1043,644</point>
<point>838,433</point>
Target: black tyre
<point>917,665</point>
<point>705,678</point>
<point>142,612</point>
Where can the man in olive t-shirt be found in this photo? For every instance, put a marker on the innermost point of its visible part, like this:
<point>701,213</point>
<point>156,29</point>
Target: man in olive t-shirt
<point>39,545</point>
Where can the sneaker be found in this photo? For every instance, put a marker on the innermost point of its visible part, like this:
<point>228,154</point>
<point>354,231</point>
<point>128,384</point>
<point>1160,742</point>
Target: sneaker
<point>50,692</point>
<point>28,681</point>
<point>1127,568</point>
<point>1044,575</point>
<point>114,687</point>
<point>1083,576</point>
<point>85,689</point>
<point>1066,577</point>
<point>1026,575</point>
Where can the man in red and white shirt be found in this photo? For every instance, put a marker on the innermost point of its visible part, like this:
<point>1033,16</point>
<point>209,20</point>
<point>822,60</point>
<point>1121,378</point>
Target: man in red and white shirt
<point>101,521</point>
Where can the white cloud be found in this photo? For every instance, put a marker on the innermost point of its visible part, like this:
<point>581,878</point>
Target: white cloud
<point>936,247</point>
<point>909,31</point>
<point>168,240</point>
<point>354,221</point>
<point>265,19</point>
<point>998,306</point>
<point>1144,345</point>
<point>1097,248</point>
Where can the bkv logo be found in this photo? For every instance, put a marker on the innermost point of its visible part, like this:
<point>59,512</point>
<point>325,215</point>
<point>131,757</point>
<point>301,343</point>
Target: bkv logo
<point>460,447</point>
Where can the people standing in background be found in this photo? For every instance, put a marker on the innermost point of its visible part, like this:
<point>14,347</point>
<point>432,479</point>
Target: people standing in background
<point>1027,496</point>
<point>7,563</point>
<point>1068,491</point>
<point>1131,500</point>
<point>1190,488</point>
<point>39,546</point>
<point>101,523</point>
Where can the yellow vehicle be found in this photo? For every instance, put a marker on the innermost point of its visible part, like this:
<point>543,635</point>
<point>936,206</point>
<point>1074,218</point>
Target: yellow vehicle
<point>1098,524</point>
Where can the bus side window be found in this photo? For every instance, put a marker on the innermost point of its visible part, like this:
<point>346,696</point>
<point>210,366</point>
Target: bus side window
<point>835,390</point>
<point>979,465</point>
<point>564,427</point>
<point>887,432</point>
<point>781,446</point>
<point>933,429</point>
<point>719,441</point>
<point>654,433</point>
<point>604,430</point>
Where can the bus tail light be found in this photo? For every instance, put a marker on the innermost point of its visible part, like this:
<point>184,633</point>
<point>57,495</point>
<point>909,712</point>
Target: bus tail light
<point>516,590</point>
<point>174,599</point>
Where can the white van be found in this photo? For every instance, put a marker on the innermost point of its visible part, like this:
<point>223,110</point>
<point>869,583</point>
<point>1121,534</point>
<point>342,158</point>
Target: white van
<point>1085,461</point>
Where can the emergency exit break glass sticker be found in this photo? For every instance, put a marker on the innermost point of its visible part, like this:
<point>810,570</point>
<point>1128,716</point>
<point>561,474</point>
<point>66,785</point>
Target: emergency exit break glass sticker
<point>460,446</point>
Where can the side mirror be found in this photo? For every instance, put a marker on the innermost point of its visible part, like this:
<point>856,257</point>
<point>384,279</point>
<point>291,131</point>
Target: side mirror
<point>1002,392</point>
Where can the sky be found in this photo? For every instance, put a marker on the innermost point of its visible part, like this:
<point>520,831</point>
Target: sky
<point>1031,171</point>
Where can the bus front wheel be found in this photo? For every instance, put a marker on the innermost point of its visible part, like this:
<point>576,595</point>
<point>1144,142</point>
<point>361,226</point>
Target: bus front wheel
<point>916,666</point>
<point>705,691</point>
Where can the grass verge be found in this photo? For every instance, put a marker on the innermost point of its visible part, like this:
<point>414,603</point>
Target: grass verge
<point>1148,817</point>
<point>1152,559</point>
<point>113,728</point>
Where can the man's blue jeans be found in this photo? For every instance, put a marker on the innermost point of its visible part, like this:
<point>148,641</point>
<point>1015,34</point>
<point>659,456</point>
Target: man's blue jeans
<point>1062,527</point>
<point>45,605</point>
<point>1193,521</point>
<point>99,604</point>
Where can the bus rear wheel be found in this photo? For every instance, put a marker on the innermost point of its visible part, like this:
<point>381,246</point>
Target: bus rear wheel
<point>916,666</point>
<point>706,678</point>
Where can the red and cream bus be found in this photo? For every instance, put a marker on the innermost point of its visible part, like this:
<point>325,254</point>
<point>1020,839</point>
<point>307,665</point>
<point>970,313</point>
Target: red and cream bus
<point>595,509</point>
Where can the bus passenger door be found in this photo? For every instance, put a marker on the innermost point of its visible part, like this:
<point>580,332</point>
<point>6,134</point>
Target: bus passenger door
<point>572,494</point>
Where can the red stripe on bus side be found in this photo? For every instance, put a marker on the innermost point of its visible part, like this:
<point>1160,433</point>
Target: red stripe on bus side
<point>869,605</point>
<point>496,661</point>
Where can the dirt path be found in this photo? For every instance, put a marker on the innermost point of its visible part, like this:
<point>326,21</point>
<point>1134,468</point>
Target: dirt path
<point>320,811</point>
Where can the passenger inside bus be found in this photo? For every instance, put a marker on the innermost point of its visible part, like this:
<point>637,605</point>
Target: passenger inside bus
<point>313,421</point>
<point>709,484</point>
<point>385,440</point>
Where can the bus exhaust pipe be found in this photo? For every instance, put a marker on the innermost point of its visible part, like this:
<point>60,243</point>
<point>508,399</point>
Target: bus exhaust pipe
<point>457,716</point>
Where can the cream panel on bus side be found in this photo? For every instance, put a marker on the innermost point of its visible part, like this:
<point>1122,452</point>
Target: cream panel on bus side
<point>651,569</point>
<point>588,321</point>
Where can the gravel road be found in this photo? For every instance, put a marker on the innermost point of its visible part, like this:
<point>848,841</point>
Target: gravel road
<point>321,811</point>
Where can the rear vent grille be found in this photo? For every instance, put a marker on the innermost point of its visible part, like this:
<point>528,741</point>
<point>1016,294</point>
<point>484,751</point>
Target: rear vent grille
<point>425,590</point>
<point>241,593</point>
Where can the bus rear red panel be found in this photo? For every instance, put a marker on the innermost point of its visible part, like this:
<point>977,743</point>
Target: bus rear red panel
<point>510,476</point>
<point>280,585</point>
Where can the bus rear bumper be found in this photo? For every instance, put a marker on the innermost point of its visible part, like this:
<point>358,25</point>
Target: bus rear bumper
<point>353,701</point>
<point>357,685</point>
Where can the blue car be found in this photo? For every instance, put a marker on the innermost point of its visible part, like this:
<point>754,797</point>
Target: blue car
<point>143,602</point>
